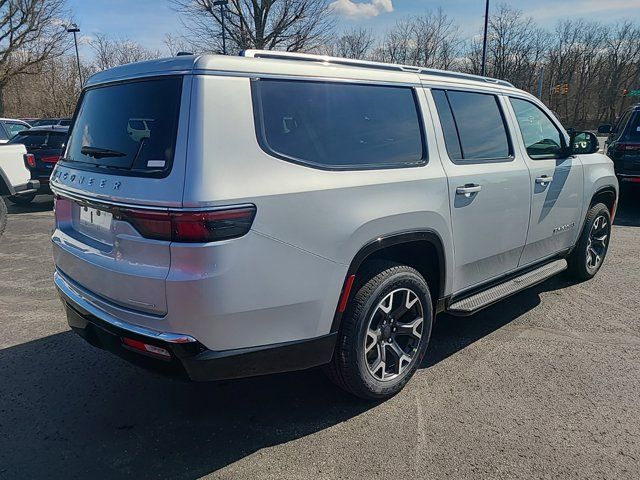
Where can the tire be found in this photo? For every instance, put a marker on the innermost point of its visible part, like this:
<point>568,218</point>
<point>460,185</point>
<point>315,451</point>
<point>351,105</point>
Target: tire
<point>591,249</point>
<point>3,215</point>
<point>367,335</point>
<point>22,200</point>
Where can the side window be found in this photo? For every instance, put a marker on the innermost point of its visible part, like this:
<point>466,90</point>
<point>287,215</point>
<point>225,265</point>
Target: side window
<point>14,128</point>
<point>338,125</point>
<point>473,126</point>
<point>633,129</point>
<point>3,133</point>
<point>542,138</point>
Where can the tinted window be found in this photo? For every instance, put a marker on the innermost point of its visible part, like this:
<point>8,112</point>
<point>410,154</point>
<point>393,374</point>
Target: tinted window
<point>633,131</point>
<point>13,128</point>
<point>129,126</point>
<point>3,133</point>
<point>480,125</point>
<point>35,139</point>
<point>542,138</point>
<point>65,122</point>
<point>338,125</point>
<point>448,124</point>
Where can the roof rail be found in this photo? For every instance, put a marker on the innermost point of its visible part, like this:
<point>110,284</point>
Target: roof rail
<point>327,60</point>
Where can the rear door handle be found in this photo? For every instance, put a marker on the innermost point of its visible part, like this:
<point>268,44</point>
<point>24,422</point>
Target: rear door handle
<point>468,189</point>
<point>543,180</point>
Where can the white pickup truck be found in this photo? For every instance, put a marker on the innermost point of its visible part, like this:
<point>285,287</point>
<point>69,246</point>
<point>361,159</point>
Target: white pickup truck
<point>15,178</point>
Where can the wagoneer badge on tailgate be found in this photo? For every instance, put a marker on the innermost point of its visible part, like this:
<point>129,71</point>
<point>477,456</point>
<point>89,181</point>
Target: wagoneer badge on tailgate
<point>71,178</point>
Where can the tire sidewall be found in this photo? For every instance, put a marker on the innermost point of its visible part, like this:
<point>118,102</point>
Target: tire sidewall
<point>3,215</point>
<point>579,256</point>
<point>597,211</point>
<point>415,283</point>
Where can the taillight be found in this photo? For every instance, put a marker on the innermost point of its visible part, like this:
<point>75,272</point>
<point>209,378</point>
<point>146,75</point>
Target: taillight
<point>30,160</point>
<point>50,158</point>
<point>147,348</point>
<point>192,227</point>
<point>627,147</point>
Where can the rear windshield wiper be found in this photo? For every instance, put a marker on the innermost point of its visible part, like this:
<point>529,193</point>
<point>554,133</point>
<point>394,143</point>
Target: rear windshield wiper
<point>97,152</point>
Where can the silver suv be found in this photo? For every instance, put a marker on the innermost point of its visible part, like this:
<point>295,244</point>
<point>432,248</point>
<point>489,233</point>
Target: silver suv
<point>221,217</point>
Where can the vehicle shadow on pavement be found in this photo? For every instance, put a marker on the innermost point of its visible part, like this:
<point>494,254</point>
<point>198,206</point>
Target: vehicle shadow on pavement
<point>69,410</point>
<point>451,334</point>
<point>628,214</point>
<point>42,203</point>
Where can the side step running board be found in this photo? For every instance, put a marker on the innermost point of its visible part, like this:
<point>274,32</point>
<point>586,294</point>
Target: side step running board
<point>487,297</point>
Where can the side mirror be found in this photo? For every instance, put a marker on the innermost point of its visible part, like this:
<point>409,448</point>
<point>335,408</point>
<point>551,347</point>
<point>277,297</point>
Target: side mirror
<point>606,128</point>
<point>584,143</point>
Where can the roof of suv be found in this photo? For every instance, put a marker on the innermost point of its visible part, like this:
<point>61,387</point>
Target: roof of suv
<point>292,64</point>
<point>49,128</point>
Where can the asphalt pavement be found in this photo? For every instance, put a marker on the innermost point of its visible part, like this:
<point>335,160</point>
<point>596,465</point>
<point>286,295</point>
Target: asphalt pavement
<point>543,385</point>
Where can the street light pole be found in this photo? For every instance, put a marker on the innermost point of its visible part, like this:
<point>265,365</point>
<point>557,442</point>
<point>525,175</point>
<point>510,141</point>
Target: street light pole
<point>484,40</point>
<point>222,4</point>
<point>73,28</point>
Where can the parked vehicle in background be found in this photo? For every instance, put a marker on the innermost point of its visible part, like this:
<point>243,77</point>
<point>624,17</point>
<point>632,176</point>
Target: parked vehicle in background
<point>10,127</point>
<point>43,122</point>
<point>221,216</point>
<point>15,179</point>
<point>623,145</point>
<point>45,146</point>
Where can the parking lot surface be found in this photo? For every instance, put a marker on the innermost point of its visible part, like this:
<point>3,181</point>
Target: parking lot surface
<point>543,385</point>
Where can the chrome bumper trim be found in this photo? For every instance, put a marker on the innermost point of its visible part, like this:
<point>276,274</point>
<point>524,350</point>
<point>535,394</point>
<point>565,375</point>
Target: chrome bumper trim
<point>73,296</point>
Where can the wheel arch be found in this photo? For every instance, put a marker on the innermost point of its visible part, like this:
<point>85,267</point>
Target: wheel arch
<point>402,247</point>
<point>607,195</point>
<point>5,186</point>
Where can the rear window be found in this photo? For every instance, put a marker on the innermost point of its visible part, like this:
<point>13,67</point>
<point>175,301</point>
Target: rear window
<point>129,127</point>
<point>338,125</point>
<point>33,139</point>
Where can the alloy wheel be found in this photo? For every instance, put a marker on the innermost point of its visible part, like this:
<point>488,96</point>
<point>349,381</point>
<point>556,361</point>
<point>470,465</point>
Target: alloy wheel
<point>394,332</point>
<point>598,242</point>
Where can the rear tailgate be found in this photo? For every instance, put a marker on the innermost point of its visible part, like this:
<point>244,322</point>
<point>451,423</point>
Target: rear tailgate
<point>126,148</point>
<point>12,168</point>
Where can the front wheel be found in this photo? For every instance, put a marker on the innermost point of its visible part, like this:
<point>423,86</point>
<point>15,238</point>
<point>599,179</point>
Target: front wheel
<point>592,247</point>
<point>384,333</point>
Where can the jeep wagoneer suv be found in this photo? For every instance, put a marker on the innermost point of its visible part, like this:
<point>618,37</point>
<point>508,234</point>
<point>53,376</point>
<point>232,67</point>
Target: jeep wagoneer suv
<point>220,217</point>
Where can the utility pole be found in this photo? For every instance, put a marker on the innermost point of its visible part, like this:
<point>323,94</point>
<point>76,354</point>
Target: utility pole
<point>73,28</point>
<point>540,82</point>
<point>484,39</point>
<point>222,4</point>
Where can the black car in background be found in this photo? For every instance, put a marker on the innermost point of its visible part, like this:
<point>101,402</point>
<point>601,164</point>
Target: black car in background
<point>45,122</point>
<point>44,147</point>
<point>623,145</point>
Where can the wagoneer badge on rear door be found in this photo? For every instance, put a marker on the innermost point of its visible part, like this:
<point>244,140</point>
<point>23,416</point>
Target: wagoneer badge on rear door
<point>73,178</point>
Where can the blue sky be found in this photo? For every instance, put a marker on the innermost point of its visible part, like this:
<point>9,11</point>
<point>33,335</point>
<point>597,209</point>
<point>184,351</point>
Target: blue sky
<point>147,21</point>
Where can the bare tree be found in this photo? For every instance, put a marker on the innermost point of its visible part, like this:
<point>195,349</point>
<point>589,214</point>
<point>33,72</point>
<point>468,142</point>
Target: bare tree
<point>291,25</point>
<point>175,44</point>
<point>429,40</point>
<point>516,48</point>
<point>31,31</point>
<point>109,52</point>
<point>356,44</point>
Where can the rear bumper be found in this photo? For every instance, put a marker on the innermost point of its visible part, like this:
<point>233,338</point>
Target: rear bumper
<point>32,186</point>
<point>189,358</point>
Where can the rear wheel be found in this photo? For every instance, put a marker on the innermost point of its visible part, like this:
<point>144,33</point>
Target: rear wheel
<point>384,333</point>
<point>22,199</point>
<point>3,215</point>
<point>590,251</point>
